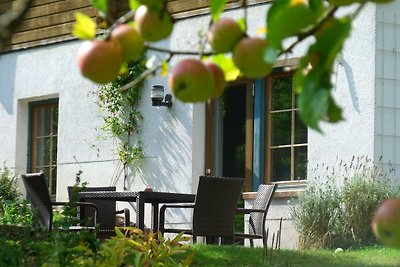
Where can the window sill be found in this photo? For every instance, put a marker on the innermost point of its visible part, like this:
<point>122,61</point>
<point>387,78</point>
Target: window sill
<point>283,191</point>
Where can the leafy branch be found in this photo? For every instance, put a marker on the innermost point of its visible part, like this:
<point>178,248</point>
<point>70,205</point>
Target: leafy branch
<point>308,18</point>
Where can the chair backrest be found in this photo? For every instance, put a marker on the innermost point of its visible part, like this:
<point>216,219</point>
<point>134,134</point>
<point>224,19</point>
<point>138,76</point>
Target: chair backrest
<point>215,206</point>
<point>38,195</point>
<point>106,209</point>
<point>262,202</point>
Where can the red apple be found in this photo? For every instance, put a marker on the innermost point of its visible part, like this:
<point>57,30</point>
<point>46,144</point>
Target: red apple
<point>224,35</point>
<point>386,223</point>
<point>248,56</point>
<point>219,78</point>
<point>153,25</point>
<point>191,81</point>
<point>131,42</point>
<point>100,61</point>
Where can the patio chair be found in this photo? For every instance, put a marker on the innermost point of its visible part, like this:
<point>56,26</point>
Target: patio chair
<point>41,204</point>
<point>106,211</point>
<point>258,214</point>
<point>214,208</point>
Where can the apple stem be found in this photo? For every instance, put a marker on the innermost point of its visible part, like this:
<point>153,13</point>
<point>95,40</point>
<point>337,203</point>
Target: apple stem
<point>178,52</point>
<point>144,75</point>
<point>127,16</point>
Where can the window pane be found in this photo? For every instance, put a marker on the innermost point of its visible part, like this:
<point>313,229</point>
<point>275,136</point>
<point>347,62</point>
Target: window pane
<point>300,163</point>
<point>55,120</point>
<point>281,128</point>
<point>44,142</point>
<point>46,172</point>
<point>42,155</point>
<point>43,116</point>
<point>54,151</point>
<point>300,131</point>
<point>281,93</point>
<point>280,164</point>
<point>234,131</point>
<point>54,180</point>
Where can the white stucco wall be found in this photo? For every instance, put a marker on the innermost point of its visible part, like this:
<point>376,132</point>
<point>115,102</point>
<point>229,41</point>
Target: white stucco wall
<point>354,91</point>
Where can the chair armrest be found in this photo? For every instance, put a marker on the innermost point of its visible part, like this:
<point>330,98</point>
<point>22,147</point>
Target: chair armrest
<point>54,203</point>
<point>127,216</point>
<point>247,211</point>
<point>182,206</point>
<point>162,213</point>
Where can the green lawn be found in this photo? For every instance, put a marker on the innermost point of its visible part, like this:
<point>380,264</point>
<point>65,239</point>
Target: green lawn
<point>206,255</point>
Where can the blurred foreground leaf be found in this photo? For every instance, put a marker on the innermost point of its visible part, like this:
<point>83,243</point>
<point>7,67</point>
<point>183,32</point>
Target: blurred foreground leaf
<point>84,27</point>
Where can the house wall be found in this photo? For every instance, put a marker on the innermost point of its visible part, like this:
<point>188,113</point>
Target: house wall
<point>387,88</point>
<point>173,139</point>
<point>51,72</point>
<point>354,91</point>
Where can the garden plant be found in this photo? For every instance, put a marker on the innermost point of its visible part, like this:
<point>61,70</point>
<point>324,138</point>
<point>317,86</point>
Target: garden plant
<point>337,207</point>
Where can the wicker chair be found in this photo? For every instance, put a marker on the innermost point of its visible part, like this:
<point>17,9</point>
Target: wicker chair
<point>214,208</point>
<point>258,214</point>
<point>41,204</point>
<point>106,211</point>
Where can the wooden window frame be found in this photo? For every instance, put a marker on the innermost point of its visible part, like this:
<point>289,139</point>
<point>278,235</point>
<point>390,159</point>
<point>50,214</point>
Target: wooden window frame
<point>268,129</point>
<point>33,137</point>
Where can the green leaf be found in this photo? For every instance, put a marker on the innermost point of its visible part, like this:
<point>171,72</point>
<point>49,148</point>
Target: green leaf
<point>100,5</point>
<point>313,85</point>
<point>334,111</point>
<point>270,55</point>
<point>84,27</point>
<point>134,4</point>
<point>330,40</point>
<point>164,68</point>
<point>228,67</point>
<point>123,69</point>
<point>313,100</point>
<point>118,232</point>
<point>242,24</point>
<point>302,15</point>
<point>217,6</point>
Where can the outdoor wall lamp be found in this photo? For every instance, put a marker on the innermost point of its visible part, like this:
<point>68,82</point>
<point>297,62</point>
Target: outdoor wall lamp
<point>157,97</point>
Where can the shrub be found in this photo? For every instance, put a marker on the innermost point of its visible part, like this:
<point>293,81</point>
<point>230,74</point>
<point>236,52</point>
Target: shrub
<point>15,213</point>
<point>332,215</point>
<point>136,248</point>
<point>8,185</point>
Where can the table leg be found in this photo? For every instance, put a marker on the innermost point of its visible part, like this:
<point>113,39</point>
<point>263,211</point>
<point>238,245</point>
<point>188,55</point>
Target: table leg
<point>154,220</point>
<point>140,212</point>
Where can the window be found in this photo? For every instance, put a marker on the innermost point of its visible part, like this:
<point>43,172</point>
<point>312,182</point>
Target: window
<point>286,136</point>
<point>43,141</point>
<point>254,130</point>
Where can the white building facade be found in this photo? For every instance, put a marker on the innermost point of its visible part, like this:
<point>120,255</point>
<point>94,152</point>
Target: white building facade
<point>43,83</point>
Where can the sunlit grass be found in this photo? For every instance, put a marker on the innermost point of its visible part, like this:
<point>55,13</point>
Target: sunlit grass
<point>206,255</point>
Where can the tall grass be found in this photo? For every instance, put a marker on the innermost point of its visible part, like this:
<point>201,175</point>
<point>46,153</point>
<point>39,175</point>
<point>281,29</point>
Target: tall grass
<point>338,211</point>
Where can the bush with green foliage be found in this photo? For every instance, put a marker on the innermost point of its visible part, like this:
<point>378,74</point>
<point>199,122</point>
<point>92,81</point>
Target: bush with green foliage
<point>8,185</point>
<point>333,215</point>
<point>65,248</point>
<point>15,213</point>
<point>136,248</point>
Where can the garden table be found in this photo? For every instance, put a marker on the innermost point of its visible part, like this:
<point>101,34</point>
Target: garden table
<point>141,197</point>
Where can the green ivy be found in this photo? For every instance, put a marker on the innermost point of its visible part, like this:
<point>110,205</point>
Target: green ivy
<point>120,113</point>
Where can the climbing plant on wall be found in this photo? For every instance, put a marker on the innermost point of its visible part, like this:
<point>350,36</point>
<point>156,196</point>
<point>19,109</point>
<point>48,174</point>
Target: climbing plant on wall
<point>120,114</point>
